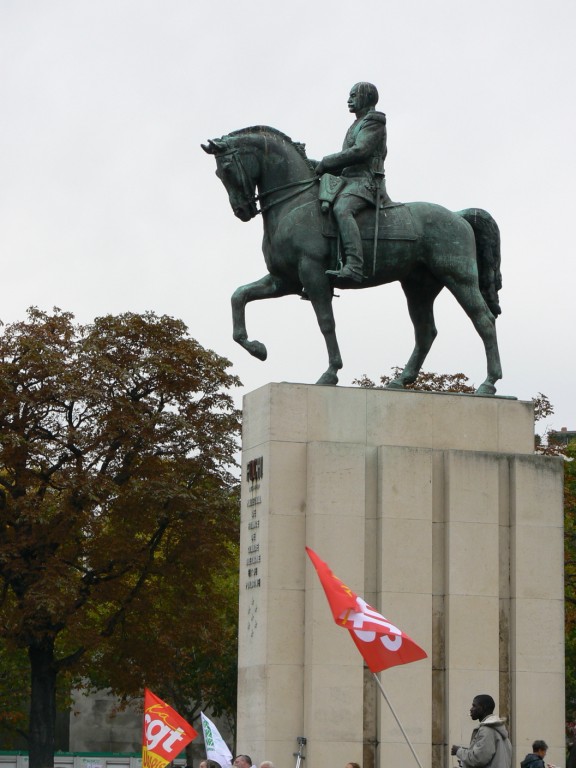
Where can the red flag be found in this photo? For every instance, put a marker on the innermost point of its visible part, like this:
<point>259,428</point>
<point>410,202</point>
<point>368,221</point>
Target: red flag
<point>165,733</point>
<point>381,643</point>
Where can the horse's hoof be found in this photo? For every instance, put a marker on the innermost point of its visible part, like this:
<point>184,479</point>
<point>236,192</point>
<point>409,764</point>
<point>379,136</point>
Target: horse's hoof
<point>395,384</point>
<point>486,389</point>
<point>328,379</point>
<point>257,349</point>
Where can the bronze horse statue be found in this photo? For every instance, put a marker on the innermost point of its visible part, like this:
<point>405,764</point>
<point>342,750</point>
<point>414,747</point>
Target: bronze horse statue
<point>459,251</point>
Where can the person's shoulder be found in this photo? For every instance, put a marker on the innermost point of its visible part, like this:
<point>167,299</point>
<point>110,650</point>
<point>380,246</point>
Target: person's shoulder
<point>493,721</point>
<point>532,759</point>
<point>375,117</point>
<point>494,724</point>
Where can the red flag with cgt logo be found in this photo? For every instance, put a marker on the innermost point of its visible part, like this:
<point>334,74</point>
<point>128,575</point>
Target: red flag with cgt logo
<point>165,733</point>
<point>382,644</point>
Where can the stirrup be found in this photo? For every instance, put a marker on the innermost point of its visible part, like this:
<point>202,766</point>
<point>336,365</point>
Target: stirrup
<point>346,274</point>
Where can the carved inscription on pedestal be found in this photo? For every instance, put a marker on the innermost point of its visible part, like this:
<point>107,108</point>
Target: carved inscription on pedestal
<point>252,556</point>
<point>254,475</point>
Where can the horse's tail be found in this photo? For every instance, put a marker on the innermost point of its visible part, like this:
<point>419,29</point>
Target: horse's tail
<point>487,237</point>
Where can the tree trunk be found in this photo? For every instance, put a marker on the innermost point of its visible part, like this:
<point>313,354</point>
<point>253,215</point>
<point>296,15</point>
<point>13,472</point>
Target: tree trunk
<point>42,704</point>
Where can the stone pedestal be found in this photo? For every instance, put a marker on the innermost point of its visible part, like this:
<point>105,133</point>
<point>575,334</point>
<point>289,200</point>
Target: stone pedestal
<point>435,509</point>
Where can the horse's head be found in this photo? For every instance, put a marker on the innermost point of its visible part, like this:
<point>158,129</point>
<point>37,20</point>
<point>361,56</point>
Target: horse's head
<point>237,171</point>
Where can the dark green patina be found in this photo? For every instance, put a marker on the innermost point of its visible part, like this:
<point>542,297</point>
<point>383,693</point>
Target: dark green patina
<point>424,246</point>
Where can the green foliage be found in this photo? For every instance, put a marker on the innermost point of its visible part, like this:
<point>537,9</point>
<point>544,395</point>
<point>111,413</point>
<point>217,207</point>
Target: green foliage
<point>116,445</point>
<point>181,638</point>
<point>14,695</point>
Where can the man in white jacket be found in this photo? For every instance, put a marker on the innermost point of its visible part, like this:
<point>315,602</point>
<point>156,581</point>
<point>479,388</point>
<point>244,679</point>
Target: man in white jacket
<point>490,746</point>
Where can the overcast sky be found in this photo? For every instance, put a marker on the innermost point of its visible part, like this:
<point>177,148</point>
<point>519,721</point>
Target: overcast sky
<point>108,204</point>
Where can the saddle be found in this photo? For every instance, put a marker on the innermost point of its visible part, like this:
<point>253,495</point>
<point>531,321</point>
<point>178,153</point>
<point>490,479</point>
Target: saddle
<point>395,223</point>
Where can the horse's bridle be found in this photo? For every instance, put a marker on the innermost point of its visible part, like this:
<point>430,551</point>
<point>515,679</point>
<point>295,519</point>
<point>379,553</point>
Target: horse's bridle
<point>251,199</point>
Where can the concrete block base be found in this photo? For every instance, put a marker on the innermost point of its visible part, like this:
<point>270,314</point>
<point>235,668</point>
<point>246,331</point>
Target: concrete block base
<point>435,509</point>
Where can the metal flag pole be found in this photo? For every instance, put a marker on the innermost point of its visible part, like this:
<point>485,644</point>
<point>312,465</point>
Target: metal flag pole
<point>383,692</point>
<point>300,754</point>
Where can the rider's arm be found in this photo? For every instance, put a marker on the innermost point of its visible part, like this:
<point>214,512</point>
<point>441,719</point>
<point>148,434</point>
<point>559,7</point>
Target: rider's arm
<point>368,140</point>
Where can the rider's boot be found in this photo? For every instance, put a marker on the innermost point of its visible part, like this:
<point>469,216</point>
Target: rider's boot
<point>352,270</point>
<point>352,243</point>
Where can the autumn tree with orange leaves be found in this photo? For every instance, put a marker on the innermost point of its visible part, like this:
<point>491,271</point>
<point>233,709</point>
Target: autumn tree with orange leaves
<point>116,443</point>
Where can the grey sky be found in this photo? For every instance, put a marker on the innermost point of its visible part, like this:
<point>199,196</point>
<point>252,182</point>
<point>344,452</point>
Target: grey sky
<point>107,202</point>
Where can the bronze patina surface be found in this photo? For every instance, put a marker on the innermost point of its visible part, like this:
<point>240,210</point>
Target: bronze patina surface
<point>434,249</point>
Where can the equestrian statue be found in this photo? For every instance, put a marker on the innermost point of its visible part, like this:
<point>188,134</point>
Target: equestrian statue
<point>331,224</point>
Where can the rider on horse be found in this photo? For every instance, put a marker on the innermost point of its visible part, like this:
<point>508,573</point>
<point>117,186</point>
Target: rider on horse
<point>360,166</point>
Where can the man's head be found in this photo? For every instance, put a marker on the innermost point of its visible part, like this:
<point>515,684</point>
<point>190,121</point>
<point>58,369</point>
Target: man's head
<point>540,748</point>
<point>482,706</point>
<point>243,761</point>
<point>362,96</point>
<point>266,764</point>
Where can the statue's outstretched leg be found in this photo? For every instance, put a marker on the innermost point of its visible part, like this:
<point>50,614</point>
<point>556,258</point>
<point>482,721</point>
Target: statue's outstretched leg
<point>268,287</point>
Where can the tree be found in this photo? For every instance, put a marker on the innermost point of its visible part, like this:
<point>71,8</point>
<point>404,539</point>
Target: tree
<point>193,661</point>
<point>116,444</point>
<point>14,694</point>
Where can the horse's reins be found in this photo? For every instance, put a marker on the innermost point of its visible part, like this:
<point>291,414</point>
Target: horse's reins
<point>307,182</point>
<point>255,199</point>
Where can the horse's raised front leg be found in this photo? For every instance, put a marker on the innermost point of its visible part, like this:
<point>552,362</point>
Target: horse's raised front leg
<point>268,287</point>
<point>319,290</point>
<point>420,292</point>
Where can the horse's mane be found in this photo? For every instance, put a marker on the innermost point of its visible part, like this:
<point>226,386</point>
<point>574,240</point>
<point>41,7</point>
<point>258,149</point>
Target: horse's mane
<point>267,130</point>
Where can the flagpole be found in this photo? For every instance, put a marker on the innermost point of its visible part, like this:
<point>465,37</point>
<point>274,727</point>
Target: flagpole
<point>300,754</point>
<point>383,692</point>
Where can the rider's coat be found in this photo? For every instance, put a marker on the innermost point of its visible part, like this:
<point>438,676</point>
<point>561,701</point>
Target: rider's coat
<point>362,156</point>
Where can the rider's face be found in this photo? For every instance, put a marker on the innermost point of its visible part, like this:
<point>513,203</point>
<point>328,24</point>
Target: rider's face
<point>354,100</point>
